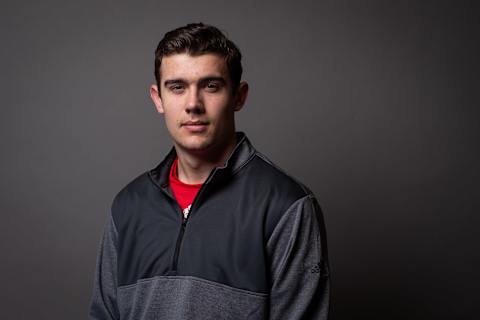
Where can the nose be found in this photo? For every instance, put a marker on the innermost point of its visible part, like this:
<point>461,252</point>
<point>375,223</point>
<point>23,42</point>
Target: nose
<point>194,101</point>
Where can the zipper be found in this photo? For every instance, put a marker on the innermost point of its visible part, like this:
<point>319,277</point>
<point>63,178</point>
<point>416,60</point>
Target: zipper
<point>177,245</point>
<point>184,225</point>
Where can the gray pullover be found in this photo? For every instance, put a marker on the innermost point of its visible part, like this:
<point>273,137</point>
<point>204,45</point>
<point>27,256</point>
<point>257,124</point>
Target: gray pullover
<point>253,247</point>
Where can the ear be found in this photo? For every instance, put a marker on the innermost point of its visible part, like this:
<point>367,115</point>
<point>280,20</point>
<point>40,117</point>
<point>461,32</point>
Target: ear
<point>241,95</point>
<point>155,96</point>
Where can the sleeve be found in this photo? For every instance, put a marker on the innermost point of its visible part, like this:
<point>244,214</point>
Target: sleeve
<point>103,305</point>
<point>297,249</point>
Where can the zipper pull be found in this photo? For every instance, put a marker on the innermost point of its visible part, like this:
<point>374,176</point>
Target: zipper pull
<point>186,211</point>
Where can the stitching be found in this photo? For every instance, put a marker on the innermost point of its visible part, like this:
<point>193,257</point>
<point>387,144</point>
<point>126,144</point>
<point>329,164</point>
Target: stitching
<point>269,162</point>
<point>195,279</point>
<point>244,163</point>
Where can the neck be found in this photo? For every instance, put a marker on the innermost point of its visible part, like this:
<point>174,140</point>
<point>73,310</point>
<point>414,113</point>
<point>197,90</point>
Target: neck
<point>194,167</point>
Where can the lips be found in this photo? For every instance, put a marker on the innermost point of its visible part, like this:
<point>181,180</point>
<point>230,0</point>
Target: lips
<point>195,126</point>
<point>194,123</point>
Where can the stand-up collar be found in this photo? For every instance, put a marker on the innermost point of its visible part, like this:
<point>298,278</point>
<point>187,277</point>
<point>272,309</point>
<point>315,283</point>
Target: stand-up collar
<point>240,155</point>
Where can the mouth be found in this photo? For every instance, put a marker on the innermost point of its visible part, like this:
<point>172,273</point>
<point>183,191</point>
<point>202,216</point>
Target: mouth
<point>195,126</point>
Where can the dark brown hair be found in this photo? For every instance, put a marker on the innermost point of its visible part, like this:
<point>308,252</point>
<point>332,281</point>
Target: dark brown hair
<point>197,39</point>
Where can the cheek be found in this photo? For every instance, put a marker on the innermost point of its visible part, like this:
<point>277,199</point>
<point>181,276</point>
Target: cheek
<point>221,107</point>
<point>171,118</point>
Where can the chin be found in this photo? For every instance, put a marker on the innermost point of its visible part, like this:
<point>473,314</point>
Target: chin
<point>195,144</point>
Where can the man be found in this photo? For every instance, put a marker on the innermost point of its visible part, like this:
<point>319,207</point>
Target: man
<point>215,231</point>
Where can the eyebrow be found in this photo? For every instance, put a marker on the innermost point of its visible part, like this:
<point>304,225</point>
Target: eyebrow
<point>173,81</point>
<point>201,80</point>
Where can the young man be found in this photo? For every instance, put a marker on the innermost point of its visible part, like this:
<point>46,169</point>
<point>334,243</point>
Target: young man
<point>215,231</point>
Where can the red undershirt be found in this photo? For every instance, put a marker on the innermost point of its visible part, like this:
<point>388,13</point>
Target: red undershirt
<point>183,192</point>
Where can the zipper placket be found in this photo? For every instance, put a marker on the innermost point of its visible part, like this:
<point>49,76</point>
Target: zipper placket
<point>177,245</point>
<point>184,224</point>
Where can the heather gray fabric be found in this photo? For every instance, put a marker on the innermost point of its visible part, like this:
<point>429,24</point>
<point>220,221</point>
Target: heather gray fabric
<point>183,297</point>
<point>104,297</point>
<point>299,266</point>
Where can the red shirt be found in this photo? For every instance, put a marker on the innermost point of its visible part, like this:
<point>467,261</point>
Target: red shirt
<point>184,193</point>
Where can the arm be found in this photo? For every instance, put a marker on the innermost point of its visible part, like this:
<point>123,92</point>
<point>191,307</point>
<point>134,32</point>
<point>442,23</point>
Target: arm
<point>103,305</point>
<point>300,286</point>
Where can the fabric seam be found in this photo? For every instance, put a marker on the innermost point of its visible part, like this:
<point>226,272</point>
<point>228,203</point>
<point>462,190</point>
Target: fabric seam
<point>195,279</point>
<point>304,198</point>
<point>269,162</point>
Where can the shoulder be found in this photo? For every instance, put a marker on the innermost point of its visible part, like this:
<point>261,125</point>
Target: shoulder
<point>130,195</point>
<point>274,178</point>
<point>274,185</point>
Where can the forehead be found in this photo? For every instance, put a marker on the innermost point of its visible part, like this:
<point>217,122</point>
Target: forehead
<point>185,66</point>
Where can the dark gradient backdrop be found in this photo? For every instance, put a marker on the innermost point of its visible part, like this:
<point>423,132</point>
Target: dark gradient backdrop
<point>373,104</point>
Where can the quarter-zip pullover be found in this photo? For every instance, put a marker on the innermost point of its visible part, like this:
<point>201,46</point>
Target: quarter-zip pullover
<point>253,247</point>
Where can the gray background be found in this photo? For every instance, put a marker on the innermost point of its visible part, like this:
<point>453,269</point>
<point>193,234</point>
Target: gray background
<point>373,104</point>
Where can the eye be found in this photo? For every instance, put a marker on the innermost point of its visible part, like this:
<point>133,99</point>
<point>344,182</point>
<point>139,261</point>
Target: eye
<point>213,86</point>
<point>176,88</point>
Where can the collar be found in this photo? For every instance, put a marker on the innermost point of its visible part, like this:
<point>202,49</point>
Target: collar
<point>240,155</point>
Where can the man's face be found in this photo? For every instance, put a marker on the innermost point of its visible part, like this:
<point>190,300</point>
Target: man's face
<point>197,101</point>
